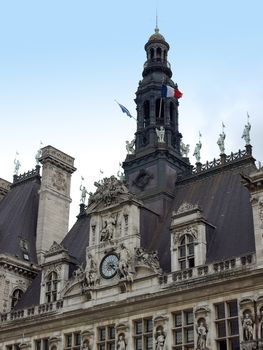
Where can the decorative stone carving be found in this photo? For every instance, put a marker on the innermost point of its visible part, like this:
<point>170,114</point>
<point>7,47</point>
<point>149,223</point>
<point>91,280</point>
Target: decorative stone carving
<point>142,179</point>
<point>91,272</point>
<point>125,268</point>
<point>55,249</point>
<point>221,142</point>
<point>87,339</point>
<point>185,207</point>
<point>59,181</point>
<point>160,337</point>
<point>189,230</point>
<point>130,146</point>
<point>260,211</point>
<point>108,230</point>
<point>248,325</point>
<point>184,149</point>
<point>197,149</point>
<point>150,259</point>
<point>201,330</point>
<point>260,324</point>
<point>108,192</point>
<point>121,342</point>
<point>160,134</point>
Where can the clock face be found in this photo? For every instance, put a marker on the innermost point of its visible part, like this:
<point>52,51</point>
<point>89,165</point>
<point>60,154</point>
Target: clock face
<point>109,266</point>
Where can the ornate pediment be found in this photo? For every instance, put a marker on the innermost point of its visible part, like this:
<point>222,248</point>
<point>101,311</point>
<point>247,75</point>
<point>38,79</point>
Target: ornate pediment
<point>55,249</point>
<point>110,191</point>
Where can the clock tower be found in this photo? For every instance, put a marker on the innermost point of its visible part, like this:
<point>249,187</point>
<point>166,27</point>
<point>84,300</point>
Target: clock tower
<point>153,166</point>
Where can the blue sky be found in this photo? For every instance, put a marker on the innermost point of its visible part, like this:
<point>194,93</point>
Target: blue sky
<point>63,63</point>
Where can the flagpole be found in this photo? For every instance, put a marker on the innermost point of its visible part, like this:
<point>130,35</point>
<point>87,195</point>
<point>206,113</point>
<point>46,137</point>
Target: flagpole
<point>160,108</point>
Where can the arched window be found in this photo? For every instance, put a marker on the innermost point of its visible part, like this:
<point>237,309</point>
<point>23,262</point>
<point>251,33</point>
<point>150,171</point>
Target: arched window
<point>159,54</point>
<point>16,296</point>
<point>51,287</point>
<point>152,53</point>
<point>146,113</point>
<point>186,252</point>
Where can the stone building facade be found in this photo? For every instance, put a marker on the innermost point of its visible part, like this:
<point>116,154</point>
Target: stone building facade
<point>167,256</point>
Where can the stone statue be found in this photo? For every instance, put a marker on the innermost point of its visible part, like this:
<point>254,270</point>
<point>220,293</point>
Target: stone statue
<point>130,147</point>
<point>125,263</point>
<point>160,134</point>
<point>197,151</point>
<point>83,194</point>
<point>17,165</point>
<point>221,140</point>
<point>108,229</point>
<point>247,327</point>
<point>185,149</point>
<point>121,343</point>
<point>91,271</point>
<point>39,153</point>
<point>246,132</point>
<point>160,339</point>
<point>201,336</point>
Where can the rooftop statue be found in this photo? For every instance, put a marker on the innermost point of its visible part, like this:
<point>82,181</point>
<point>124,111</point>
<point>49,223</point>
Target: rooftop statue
<point>17,164</point>
<point>39,153</point>
<point>197,149</point>
<point>83,191</point>
<point>246,132</point>
<point>221,140</point>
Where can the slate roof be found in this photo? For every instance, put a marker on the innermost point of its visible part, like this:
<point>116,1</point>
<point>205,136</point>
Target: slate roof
<point>226,205</point>
<point>18,219</point>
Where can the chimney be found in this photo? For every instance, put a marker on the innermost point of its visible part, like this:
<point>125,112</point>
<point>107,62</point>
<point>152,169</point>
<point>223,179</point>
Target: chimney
<point>54,198</point>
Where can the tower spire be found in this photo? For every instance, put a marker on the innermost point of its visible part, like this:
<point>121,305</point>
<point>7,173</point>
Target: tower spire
<point>156,22</point>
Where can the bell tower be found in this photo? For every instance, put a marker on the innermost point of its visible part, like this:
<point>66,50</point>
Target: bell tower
<point>152,169</point>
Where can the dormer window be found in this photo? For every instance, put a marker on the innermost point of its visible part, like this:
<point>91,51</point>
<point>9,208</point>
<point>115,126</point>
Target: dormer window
<point>16,296</point>
<point>51,287</point>
<point>186,252</point>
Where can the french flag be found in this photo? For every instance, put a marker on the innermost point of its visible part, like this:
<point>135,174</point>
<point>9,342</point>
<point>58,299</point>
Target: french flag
<point>168,91</point>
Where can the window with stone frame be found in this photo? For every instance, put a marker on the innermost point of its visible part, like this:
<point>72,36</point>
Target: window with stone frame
<point>51,287</point>
<point>41,344</point>
<point>226,322</point>
<point>183,330</point>
<point>186,257</point>
<point>12,347</point>
<point>143,334</point>
<point>72,341</point>
<point>106,339</point>
<point>16,296</point>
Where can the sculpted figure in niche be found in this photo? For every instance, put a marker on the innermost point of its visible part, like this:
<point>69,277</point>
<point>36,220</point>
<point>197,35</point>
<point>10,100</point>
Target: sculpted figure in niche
<point>160,339</point>
<point>124,263</point>
<point>86,345</point>
<point>91,271</point>
<point>121,343</point>
<point>160,134</point>
<point>201,335</point>
<point>248,327</point>
<point>108,229</point>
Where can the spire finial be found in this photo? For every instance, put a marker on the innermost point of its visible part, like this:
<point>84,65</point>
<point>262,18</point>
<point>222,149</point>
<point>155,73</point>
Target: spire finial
<point>156,24</point>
